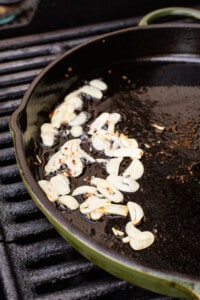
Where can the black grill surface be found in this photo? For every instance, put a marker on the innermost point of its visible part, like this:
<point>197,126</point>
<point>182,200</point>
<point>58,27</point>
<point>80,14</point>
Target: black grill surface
<point>35,262</point>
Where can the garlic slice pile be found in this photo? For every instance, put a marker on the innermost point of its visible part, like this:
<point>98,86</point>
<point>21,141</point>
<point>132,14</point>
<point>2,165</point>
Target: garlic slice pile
<point>101,196</point>
<point>66,112</point>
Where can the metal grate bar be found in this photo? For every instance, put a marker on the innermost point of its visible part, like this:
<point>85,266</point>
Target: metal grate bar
<point>13,192</point>
<point>13,92</point>
<point>18,78</point>
<point>9,174</point>
<point>7,156</point>
<point>8,107</point>
<point>66,271</point>
<point>39,51</point>
<point>23,233</point>
<point>5,140</point>
<point>64,35</point>
<point>22,65</point>
<point>8,288</point>
<point>28,52</point>
<point>112,289</point>
<point>4,123</point>
<point>58,251</point>
<point>21,212</point>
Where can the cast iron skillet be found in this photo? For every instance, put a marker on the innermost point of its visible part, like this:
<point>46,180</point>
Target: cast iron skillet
<point>153,77</point>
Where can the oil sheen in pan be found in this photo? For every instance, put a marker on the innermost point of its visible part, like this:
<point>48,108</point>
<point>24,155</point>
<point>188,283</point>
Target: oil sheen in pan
<point>167,94</point>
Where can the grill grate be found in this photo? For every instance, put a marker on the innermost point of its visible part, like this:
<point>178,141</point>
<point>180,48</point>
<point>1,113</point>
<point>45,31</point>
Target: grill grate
<point>36,263</point>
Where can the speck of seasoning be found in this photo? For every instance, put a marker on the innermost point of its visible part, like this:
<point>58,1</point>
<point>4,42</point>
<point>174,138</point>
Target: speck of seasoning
<point>51,114</point>
<point>69,69</point>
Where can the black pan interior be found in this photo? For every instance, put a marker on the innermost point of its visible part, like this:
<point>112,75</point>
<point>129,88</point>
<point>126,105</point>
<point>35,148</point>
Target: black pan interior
<point>163,89</point>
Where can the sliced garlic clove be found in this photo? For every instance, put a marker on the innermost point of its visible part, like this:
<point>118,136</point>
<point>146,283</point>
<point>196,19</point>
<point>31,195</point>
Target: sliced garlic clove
<point>96,215</point>
<point>124,184</point>
<point>128,152</point>
<point>114,118</point>
<point>99,142</point>
<point>113,164</point>
<point>48,189</point>
<point>92,204</point>
<point>135,170</point>
<point>126,239</point>
<point>55,162</point>
<point>114,209</point>
<point>80,119</point>
<point>48,128</point>
<point>86,156</point>
<point>131,230</point>
<point>75,101</point>
<point>101,160</point>
<point>76,93</point>
<point>136,212</point>
<point>83,189</point>
<point>76,131</point>
<point>158,127</point>
<point>98,84</point>
<point>68,201</point>
<point>74,165</point>
<point>108,190</point>
<point>92,92</point>
<point>142,240</point>
<point>63,114</point>
<point>99,122</point>
<point>71,147</point>
<point>48,133</point>
<point>95,180</point>
<point>48,139</point>
<point>60,184</point>
<point>127,142</point>
<point>117,232</point>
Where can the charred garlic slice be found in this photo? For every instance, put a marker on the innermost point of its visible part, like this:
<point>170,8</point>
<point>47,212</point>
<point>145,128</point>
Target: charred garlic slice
<point>70,155</point>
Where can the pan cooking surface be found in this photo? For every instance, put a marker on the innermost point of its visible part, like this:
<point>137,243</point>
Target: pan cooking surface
<point>166,94</point>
